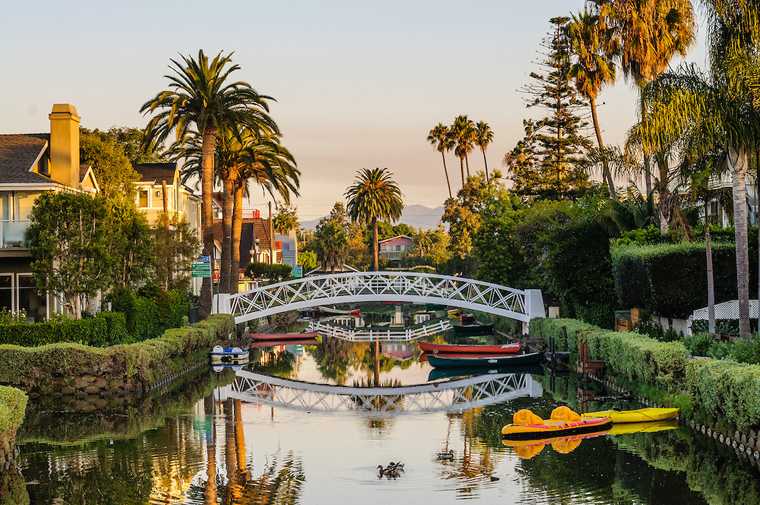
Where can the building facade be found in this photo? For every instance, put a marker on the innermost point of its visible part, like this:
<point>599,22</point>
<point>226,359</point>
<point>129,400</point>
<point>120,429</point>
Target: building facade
<point>395,248</point>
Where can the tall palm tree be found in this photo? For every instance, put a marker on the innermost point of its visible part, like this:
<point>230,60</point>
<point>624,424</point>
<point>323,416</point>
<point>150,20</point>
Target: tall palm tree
<point>483,138</point>
<point>593,46</point>
<point>721,108</point>
<point>202,96</point>
<point>462,132</point>
<point>374,195</point>
<point>440,139</point>
<point>650,33</point>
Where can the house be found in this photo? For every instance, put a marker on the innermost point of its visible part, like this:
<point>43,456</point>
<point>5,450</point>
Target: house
<point>720,203</point>
<point>31,164</point>
<point>160,190</point>
<point>395,248</point>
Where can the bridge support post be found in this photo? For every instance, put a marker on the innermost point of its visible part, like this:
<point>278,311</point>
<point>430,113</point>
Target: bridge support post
<point>221,304</point>
<point>534,307</point>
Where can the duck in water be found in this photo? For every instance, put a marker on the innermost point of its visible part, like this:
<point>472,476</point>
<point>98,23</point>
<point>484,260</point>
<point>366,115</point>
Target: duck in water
<point>392,471</point>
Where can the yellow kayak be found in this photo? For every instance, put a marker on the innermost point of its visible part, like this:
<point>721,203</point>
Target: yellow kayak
<point>648,427</point>
<point>634,416</point>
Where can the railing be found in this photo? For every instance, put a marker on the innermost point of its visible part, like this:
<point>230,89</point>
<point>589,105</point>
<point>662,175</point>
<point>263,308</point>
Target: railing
<point>13,233</point>
<point>383,335</point>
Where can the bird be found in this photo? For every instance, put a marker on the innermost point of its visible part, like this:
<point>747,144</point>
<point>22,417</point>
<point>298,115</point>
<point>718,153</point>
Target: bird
<point>446,455</point>
<point>392,471</point>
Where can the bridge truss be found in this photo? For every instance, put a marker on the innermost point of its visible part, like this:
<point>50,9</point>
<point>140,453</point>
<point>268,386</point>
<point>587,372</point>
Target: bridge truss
<point>386,334</point>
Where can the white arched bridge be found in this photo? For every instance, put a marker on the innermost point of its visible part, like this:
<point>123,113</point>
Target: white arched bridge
<point>455,395</point>
<point>402,287</point>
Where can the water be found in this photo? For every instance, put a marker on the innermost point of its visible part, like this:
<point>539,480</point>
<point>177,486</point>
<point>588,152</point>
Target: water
<point>164,450</point>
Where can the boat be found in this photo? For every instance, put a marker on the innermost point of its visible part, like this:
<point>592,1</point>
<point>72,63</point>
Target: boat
<point>635,416</point>
<point>228,355</point>
<point>532,358</point>
<point>275,343</point>
<point>648,427</point>
<point>528,449</point>
<point>465,349</point>
<point>563,423</point>
<point>283,336</point>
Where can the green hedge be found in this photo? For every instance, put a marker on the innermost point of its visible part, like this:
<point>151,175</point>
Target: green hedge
<point>139,364</point>
<point>671,279</point>
<point>106,328</point>
<point>12,408</point>
<point>150,314</point>
<point>630,355</point>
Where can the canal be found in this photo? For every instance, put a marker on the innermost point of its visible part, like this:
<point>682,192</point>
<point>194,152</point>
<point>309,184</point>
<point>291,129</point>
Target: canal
<point>201,443</point>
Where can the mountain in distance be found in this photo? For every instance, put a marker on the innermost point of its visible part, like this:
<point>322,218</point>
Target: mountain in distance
<point>417,216</point>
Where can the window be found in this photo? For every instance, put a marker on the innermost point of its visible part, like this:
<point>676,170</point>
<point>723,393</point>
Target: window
<point>5,206</point>
<point>6,291</point>
<point>24,205</point>
<point>142,198</point>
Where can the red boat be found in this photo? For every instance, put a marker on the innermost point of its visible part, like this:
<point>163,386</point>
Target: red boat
<point>283,336</point>
<point>470,349</point>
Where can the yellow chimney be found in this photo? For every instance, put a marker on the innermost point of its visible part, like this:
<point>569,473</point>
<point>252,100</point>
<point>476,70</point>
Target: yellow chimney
<point>64,144</point>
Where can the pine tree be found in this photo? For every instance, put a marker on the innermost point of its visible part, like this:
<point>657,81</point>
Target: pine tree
<point>559,139</point>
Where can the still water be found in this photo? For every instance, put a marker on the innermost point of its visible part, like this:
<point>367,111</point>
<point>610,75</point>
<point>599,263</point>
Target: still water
<point>196,445</point>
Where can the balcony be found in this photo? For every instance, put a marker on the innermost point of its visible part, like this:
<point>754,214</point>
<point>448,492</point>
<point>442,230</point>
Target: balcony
<point>13,234</point>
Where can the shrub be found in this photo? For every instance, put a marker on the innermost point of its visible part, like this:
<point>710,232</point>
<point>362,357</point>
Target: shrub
<point>275,272</point>
<point>656,277</point>
<point>151,311</point>
<point>698,344</point>
<point>12,407</point>
<point>106,328</point>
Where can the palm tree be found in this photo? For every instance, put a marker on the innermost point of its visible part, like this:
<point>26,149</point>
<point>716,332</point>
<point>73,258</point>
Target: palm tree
<point>649,33</point>
<point>202,96</point>
<point>721,108</point>
<point>374,195</point>
<point>440,139</point>
<point>593,46</point>
<point>462,132</point>
<point>483,138</point>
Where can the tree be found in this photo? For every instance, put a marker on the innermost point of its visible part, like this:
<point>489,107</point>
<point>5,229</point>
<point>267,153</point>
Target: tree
<point>131,141</point>
<point>68,236</point>
<point>331,238</point>
<point>559,139</point>
<point>374,195</point>
<point>131,245</point>
<point>649,33</point>
<point>521,161</point>
<point>202,98</point>
<point>462,135</point>
<point>721,109</point>
<point>285,220</point>
<point>307,260</point>
<point>483,138</point>
<point>440,139</point>
<point>593,46</point>
<point>175,246</point>
<point>112,168</point>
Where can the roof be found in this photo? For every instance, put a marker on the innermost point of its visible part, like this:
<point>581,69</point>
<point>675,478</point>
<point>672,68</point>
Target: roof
<point>394,238</point>
<point>253,228</point>
<point>156,172</point>
<point>18,152</point>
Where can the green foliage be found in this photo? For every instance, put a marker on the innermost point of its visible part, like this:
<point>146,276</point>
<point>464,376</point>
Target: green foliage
<point>140,364</point>
<point>151,312</point>
<point>12,407</point>
<point>331,238</point>
<point>274,273</point>
<point>129,140</point>
<point>174,246</point>
<point>285,220</point>
<point>654,277</point>
<point>308,260</point>
<point>652,329</point>
<point>106,328</point>
<point>113,170</point>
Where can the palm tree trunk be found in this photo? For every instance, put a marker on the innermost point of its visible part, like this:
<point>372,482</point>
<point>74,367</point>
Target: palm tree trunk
<point>227,208</point>
<point>485,161</point>
<point>375,255</point>
<point>240,442</point>
<point>467,164</point>
<point>605,163</point>
<point>710,277</point>
<point>461,169</point>
<point>208,147</point>
<point>446,171</point>
<point>664,207</point>
<point>237,231</point>
<point>737,159</point>
<point>647,169</point>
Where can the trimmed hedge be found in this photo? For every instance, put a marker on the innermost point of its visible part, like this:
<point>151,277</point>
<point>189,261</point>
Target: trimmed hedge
<point>671,279</point>
<point>631,355</point>
<point>106,328</point>
<point>149,316</point>
<point>12,408</point>
<point>55,368</point>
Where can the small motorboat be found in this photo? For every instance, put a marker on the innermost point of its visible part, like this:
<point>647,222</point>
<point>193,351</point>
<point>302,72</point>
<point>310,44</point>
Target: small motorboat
<point>283,336</point>
<point>228,355</point>
<point>645,415</point>
<point>562,423</point>
<point>467,349</point>
<point>533,358</point>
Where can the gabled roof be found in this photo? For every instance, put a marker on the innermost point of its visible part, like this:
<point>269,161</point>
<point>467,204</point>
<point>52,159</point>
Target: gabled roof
<point>156,172</point>
<point>18,153</point>
<point>394,238</point>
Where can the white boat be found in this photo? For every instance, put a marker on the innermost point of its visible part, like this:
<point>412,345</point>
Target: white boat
<point>228,355</point>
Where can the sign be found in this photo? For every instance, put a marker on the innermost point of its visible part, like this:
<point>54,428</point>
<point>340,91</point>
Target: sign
<point>203,259</point>
<point>297,272</point>
<point>201,269</point>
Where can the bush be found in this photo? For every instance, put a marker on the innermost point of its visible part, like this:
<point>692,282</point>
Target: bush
<point>671,279</point>
<point>275,272</point>
<point>106,328</point>
<point>151,311</point>
<point>12,407</point>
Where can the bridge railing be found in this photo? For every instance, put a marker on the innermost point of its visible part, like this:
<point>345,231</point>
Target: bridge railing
<point>381,334</point>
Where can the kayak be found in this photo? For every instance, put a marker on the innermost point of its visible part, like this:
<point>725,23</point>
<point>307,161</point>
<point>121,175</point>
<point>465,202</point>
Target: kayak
<point>635,416</point>
<point>282,336</point>
<point>527,449</point>
<point>648,427</point>
<point>464,349</point>
<point>550,429</point>
<point>533,358</point>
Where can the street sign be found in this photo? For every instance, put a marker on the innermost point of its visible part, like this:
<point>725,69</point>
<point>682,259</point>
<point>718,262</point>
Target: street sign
<point>203,259</point>
<point>297,272</point>
<point>201,269</point>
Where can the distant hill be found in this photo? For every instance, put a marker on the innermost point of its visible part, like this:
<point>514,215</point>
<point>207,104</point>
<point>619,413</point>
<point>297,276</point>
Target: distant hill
<point>417,216</point>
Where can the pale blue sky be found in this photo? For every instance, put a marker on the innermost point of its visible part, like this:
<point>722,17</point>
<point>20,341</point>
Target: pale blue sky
<point>358,83</point>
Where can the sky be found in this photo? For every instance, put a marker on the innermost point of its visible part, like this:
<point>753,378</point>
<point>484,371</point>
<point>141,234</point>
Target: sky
<point>358,83</point>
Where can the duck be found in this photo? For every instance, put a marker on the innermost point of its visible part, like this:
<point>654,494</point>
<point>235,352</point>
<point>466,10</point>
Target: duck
<point>392,471</point>
<point>446,455</point>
